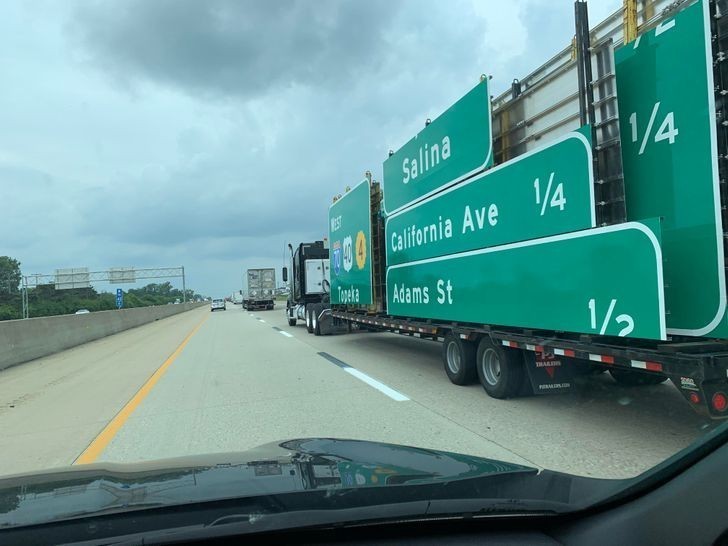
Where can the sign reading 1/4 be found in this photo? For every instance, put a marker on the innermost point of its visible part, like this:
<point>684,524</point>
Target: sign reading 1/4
<point>350,236</point>
<point>603,281</point>
<point>452,147</point>
<point>667,120</point>
<point>544,192</point>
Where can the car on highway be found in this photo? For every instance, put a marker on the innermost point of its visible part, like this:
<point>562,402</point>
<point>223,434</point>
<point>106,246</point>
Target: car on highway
<point>82,312</point>
<point>218,303</point>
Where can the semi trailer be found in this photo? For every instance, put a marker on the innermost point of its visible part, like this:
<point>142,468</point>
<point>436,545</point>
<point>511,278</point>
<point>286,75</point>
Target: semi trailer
<point>573,224</point>
<point>261,289</point>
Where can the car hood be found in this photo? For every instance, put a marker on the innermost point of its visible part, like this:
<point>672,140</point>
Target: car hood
<point>277,468</point>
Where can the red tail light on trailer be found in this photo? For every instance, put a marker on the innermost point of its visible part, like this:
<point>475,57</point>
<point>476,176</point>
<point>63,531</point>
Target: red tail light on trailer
<point>719,401</point>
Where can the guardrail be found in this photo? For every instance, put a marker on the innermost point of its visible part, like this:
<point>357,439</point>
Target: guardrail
<point>28,339</point>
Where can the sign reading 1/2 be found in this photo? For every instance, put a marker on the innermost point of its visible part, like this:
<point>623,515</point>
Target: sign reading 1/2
<point>452,147</point>
<point>544,192</point>
<point>623,319</point>
<point>666,102</point>
<point>603,281</point>
<point>350,233</point>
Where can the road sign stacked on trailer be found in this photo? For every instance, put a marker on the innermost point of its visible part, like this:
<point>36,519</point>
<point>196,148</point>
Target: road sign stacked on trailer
<point>350,237</point>
<point>667,119</point>
<point>517,245</point>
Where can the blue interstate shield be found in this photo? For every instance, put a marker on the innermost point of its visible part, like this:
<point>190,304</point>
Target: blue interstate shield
<point>337,257</point>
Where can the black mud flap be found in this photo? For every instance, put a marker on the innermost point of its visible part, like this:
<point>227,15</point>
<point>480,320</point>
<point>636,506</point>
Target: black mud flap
<point>548,374</point>
<point>329,325</point>
<point>325,320</point>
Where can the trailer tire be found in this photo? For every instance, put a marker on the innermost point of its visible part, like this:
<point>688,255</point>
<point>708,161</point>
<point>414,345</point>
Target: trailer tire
<point>309,319</point>
<point>458,358</point>
<point>500,370</point>
<point>291,321</point>
<point>628,378</point>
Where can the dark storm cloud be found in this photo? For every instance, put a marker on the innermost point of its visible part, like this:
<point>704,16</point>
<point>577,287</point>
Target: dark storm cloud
<point>234,47</point>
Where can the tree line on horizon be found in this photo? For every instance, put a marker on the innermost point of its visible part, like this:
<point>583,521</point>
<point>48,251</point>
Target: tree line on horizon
<point>45,300</point>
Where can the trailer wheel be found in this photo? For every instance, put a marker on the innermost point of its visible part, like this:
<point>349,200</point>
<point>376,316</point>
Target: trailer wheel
<point>629,378</point>
<point>458,356</point>
<point>309,319</point>
<point>500,369</point>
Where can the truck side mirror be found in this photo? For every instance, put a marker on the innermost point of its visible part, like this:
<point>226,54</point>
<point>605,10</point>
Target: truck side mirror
<point>285,274</point>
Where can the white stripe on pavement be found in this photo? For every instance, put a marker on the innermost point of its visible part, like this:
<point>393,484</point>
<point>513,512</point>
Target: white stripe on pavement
<point>394,395</point>
<point>284,333</point>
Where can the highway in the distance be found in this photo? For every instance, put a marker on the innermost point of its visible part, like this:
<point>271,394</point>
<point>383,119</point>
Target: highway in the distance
<point>203,382</point>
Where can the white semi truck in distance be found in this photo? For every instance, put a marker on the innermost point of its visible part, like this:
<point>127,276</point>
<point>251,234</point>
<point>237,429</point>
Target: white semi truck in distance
<point>261,289</point>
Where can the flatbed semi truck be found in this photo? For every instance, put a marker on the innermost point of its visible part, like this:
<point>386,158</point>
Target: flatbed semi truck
<point>581,229</point>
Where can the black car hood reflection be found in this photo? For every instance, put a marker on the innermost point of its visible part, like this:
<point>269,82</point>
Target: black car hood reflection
<point>276,468</point>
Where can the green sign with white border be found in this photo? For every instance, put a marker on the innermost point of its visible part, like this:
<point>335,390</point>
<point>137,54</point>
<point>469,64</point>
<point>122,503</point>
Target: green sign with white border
<point>544,192</point>
<point>602,281</point>
<point>452,147</point>
<point>350,237</point>
<point>669,152</point>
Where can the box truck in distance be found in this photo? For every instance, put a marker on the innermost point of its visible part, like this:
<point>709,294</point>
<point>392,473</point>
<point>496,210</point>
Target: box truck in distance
<point>573,224</point>
<point>261,289</point>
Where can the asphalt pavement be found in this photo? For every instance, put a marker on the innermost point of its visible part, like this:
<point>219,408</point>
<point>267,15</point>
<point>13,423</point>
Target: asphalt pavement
<point>231,380</point>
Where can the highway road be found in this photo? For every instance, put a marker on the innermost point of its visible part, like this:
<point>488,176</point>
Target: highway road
<point>203,382</point>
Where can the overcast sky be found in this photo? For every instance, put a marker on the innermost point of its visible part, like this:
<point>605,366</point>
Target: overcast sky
<point>211,133</point>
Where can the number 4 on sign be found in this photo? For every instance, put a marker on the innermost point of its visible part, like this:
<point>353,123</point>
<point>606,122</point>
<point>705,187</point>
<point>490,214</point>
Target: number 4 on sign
<point>557,199</point>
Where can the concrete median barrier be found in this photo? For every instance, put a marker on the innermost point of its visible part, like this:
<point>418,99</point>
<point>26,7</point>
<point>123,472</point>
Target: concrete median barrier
<point>24,340</point>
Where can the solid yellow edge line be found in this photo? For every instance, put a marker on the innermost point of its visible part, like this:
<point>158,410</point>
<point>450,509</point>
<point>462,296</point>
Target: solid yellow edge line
<point>98,444</point>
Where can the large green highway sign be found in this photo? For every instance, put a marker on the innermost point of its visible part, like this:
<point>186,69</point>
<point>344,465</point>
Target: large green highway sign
<point>669,151</point>
<point>544,192</point>
<point>454,146</point>
<point>602,281</point>
<point>350,236</point>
